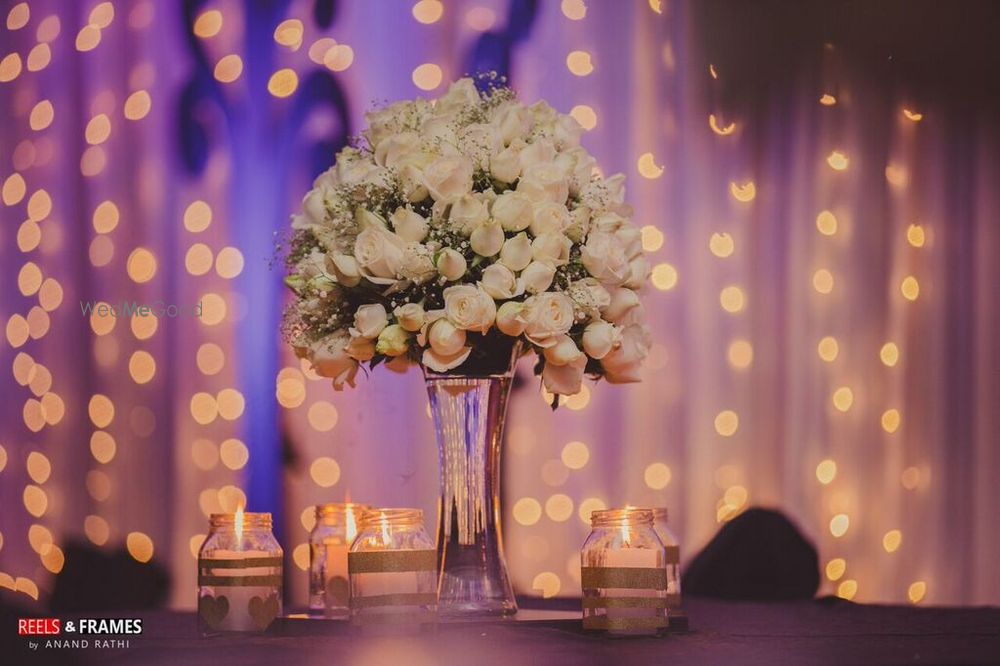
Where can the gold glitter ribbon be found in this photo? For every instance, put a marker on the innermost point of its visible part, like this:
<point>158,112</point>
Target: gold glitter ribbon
<point>239,581</point>
<point>624,623</point>
<point>673,555</point>
<point>382,561</point>
<point>634,578</point>
<point>624,602</point>
<point>407,599</point>
<point>248,563</point>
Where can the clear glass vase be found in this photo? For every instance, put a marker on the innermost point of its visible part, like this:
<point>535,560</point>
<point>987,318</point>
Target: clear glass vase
<point>469,412</point>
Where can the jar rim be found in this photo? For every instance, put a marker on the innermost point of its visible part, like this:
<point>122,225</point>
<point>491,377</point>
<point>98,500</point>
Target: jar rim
<point>660,513</point>
<point>617,517</point>
<point>392,516</point>
<point>250,519</point>
<point>340,507</point>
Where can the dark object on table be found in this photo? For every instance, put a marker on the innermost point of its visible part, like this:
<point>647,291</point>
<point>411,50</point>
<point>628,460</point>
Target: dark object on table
<point>98,580</point>
<point>758,555</point>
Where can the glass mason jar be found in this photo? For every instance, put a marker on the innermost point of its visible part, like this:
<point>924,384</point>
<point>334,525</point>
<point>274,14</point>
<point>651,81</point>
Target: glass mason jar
<point>393,567</point>
<point>239,574</point>
<point>623,574</point>
<point>329,542</point>
<point>673,550</point>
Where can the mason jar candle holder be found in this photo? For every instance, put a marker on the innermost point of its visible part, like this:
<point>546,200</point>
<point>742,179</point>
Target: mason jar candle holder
<point>673,557</point>
<point>623,574</point>
<point>239,575</point>
<point>393,569</point>
<point>329,542</point>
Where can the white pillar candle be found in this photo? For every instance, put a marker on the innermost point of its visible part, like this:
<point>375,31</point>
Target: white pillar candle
<point>238,617</point>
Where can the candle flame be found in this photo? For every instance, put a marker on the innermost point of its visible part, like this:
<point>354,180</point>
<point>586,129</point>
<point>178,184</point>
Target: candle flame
<point>384,524</point>
<point>239,527</point>
<point>351,525</point>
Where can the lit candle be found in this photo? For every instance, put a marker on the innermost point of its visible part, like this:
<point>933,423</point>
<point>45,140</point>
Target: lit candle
<point>335,574</point>
<point>628,557</point>
<point>387,582</point>
<point>246,579</point>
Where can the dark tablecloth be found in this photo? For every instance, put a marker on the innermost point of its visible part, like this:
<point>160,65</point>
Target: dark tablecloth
<point>821,631</point>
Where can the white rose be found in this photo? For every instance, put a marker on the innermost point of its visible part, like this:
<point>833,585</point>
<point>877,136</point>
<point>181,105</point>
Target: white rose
<point>567,132</point>
<point>451,264</point>
<point>327,179</point>
<point>469,307</point>
<point>622,301</point>
<point>538,152</point>
<point>505,166</point>
<point>409,225</point>
<point>578,165</point>
<point>329,359</point>
<point>312,265</point>
<point>579,224</point>
<point>440,131</point>
<point>353,165</point>
<point>605,195</point>
<point>599,338</point>
<point>487,239</point>
<point>346,269</point>
<point>461,93</point>
<point>378,177</point>
<point>445,338</point>
<point>382,123</point>
<point>369,320</point>
<point>544,182</point>
<point>411,179</point>
<point>393,341</point>
<point>467,213</point>
<point>590,296</point>
<point>500,282</point>
<point>551,248</point>
<point>607,222</point>
<point>547,316</point>
<point>604,257</point>
<point>443,363</point>
<point>631,240</point>
<point>410,316</point>
<point>509,319</point>
<point>360,349</point>
<point>418,263</point>
<point>623,365</point>
<point>513,211</point>
<point>548,217</point>
<point>365,219</point>
<point>537,276</point>
<point>562,352</point>
<point>512,121</point>
<point>396,148</point>
<point>479,142</point>
<point>516,252</point>
<point>380,254</point>
<point>638,273</point>
<point>564,379</point>
<point>314,205</point>
<point>448,177</point>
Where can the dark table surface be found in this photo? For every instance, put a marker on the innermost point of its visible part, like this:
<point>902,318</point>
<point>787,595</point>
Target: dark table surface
<point>820,631</point>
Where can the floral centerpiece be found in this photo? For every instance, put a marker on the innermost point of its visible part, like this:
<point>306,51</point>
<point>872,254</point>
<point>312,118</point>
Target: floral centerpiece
<point>458,226</point>
<point>457,234</point>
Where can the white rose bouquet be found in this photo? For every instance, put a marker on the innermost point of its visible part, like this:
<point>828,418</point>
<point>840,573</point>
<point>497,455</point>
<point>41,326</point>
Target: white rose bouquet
<point>456,228</point>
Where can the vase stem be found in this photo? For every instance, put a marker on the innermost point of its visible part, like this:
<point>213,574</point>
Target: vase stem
<point>468,415</point>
